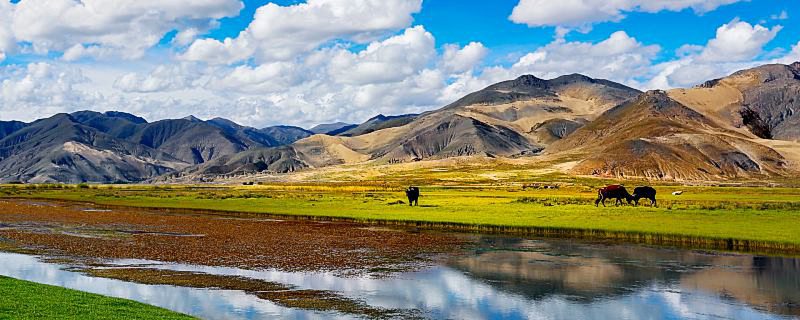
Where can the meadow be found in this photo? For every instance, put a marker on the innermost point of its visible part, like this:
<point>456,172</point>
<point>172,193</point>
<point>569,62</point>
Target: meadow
<point>27,300</point>
<point>761,219</point>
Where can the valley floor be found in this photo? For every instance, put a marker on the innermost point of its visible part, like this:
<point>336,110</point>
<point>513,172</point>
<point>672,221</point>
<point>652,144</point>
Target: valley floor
<point>755,219</point>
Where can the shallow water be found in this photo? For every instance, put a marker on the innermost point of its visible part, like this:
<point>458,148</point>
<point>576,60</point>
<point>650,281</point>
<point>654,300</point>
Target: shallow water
<point>503,278</point>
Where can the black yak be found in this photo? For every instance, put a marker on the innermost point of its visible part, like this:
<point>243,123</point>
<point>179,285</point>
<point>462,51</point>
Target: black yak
<point>645,192</point>
<point>413,196</point>
<point>613,191</point>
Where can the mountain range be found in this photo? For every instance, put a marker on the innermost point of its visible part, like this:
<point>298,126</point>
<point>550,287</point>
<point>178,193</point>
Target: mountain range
<point>745,125</point>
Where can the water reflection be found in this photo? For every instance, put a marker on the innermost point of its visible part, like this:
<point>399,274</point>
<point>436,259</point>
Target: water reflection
<point>208,304</point>
<point>591,273</point>
<point>504,278</point>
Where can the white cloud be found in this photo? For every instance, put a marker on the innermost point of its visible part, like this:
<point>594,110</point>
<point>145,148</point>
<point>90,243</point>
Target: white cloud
<point>458,60</point>
<point>620,58</point>
<point>781,16</point>
<point>391,60</point>
<point>738,41</point>
<point>124,28</point>
<point>283,32</point>
<point>38,89</point>
<point>163,78</point>
<point>791,57</point>
<point>737,45</point>
<point>6,35</point>
<point>575,13</point>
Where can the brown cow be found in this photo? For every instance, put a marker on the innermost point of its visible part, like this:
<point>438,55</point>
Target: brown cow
<point>613,191</point>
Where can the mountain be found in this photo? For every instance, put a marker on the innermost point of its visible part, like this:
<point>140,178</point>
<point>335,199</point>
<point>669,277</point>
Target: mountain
<point>121,147</point>
<point>741,126</point>
<point>9,127</point>
<point>332,128</point>
<point>496,121</point>
<point>507,119</point>
<point>762,100</point>
<point>377,123</point>
<point>282,135</point>
<point>62,149</point>
<point>655,136</point>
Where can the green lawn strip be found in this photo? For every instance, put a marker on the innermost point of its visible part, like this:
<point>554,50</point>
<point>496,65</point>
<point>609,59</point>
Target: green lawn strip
<point>28,300</point>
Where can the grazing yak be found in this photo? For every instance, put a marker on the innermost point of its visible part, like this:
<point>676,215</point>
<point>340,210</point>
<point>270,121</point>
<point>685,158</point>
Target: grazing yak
<point>645,192</point>
<point>613,191</point>
<point>413,196</point>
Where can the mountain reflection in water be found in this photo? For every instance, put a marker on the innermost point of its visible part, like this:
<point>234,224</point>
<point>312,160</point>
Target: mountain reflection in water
<point>591,273</point>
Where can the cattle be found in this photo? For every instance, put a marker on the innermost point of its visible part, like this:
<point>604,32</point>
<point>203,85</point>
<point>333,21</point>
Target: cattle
<point>614,191</point>
<point>645,192</point>
<point>413,196</point>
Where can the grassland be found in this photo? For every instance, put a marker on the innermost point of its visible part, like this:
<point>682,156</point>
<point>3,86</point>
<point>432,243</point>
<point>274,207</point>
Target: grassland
<point>735,218</point>
<point>27,300</point>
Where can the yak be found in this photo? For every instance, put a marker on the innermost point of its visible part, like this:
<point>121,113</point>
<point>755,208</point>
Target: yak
<point>645,192</point>
<point>413,196</point>
<point>613,191</point>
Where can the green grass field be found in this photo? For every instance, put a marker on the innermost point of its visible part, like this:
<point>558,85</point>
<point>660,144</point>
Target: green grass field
<point>756,214</point>
<point>27,300</point>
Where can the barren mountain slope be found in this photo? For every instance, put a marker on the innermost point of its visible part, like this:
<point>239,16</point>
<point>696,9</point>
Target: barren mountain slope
<point>62,149</point>
<point>500,120</point>
<point>762,100</point>
<point>655,136</point>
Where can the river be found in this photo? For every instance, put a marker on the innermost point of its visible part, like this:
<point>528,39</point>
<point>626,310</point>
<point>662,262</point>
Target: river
<point>502,277</point>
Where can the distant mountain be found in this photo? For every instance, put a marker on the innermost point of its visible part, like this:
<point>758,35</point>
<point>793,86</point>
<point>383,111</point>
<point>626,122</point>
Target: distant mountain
<point>332,128</point>
<point>9,127</point>
<point>120,147</point>
<point>508,119</point>
<point>377,123</point>
<point>283,135</point>
<point>741,126</point>
<point>62,149</point>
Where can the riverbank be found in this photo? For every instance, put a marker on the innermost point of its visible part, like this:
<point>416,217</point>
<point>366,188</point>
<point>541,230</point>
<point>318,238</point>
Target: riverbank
<point>28,300</point>
<point>751,219</point>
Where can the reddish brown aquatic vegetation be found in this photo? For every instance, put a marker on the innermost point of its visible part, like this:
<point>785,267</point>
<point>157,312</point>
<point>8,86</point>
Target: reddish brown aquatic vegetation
<point>215,240</point>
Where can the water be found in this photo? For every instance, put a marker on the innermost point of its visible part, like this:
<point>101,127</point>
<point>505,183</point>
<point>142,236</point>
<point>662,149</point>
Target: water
<point>504,278</point>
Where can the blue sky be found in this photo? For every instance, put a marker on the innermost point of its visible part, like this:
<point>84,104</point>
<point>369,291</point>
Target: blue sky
<point>298,62</point>
<point>463,21</point>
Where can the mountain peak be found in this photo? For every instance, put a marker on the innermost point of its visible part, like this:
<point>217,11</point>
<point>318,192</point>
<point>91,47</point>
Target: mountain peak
<point>192,118</point>
<point>126,116</point>
<point>529,80</point>
<point>573,78</point>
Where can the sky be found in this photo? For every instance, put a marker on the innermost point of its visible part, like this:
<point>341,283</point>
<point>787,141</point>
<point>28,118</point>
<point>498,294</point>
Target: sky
<point>263,63</point>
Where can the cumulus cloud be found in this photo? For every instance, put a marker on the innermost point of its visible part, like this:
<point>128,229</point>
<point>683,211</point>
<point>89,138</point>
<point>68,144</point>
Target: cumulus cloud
<point>39,88</point>
<point>124,28</point>
<point>458,60</point>
<point>620,57</point>
<point>791,57</point>
<point>575,13</point>
<point>402,73</point>
<point>6,35</point>
<point>282,32</point>
<point>163,78</point>
<point>391,60</point>
<point>737,41</point>
<point>736,45</point>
